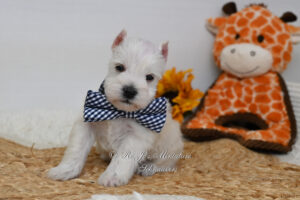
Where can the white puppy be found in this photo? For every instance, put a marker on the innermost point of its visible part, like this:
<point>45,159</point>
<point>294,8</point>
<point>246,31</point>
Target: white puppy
<point>130,85</point>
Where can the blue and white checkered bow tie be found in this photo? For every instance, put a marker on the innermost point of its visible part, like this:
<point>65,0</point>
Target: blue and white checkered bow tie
<point>97,108</point>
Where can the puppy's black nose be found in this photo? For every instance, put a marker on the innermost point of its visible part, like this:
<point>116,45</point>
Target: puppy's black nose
<point>129,92</point>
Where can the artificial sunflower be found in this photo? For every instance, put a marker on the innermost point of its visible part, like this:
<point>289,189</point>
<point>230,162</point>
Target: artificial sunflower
<point>177,87</point>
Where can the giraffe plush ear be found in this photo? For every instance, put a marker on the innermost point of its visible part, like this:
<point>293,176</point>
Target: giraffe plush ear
<point>213,24</point>
<point>295,33</point>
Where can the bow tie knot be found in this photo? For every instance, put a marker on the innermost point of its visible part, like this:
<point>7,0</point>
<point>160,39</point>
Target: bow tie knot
<point>98,108</point>
<point>130,115</point>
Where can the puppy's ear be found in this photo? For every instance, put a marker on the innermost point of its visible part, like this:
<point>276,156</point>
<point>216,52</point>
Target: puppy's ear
<point>164,50</point>
<point>119,39</point>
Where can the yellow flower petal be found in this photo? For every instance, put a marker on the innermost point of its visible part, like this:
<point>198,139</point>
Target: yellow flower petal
<point>180,82</point>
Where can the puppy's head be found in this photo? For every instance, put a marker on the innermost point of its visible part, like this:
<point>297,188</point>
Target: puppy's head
<point>134,70</point>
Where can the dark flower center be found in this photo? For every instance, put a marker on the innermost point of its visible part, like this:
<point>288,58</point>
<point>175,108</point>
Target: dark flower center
<point>170,95</point>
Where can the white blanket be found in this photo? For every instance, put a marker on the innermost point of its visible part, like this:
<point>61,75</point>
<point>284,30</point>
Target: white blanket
<point>137,196</point>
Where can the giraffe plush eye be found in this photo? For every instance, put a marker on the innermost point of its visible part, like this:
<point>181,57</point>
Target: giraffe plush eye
<point>237,36</point>
<point>260,38</point>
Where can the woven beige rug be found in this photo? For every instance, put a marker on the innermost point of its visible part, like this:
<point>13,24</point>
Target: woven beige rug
<point>220,169</point>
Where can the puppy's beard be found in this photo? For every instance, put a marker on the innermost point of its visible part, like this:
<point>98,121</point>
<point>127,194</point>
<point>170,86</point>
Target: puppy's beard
<point>140,101</point>
<point>125,105</point>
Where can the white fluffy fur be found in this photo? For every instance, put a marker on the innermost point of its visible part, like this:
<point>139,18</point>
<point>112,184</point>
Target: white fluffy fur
<point>125,136</point>
<point>41,129</point>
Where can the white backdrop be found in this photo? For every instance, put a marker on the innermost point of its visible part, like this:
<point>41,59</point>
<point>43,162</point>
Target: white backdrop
<point>53,51</point>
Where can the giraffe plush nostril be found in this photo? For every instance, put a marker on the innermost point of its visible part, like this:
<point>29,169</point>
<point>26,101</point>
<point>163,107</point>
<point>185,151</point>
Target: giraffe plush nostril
<point>252,53</point>
<point>232,50</point>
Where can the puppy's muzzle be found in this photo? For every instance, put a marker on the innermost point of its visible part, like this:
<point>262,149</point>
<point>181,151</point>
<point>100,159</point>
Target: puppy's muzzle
<point>129,92</point>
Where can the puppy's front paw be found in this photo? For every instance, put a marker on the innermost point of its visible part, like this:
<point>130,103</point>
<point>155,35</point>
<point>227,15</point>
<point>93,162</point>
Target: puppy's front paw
<point>63,172</point>
<point>109,179</point>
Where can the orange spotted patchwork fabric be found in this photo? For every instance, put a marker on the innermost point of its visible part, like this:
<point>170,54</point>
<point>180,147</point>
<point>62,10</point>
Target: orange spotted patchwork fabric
<point>245,27</point>
<point>256,111</point>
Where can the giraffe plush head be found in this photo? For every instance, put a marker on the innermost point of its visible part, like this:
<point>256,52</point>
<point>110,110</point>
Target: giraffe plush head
<point>253,41</point>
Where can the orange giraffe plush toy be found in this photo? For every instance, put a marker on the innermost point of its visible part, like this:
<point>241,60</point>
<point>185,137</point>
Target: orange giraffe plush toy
<point>249,101</point>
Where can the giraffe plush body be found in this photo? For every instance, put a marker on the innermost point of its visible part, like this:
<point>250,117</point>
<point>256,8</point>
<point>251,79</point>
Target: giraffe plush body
<point>249,101</point>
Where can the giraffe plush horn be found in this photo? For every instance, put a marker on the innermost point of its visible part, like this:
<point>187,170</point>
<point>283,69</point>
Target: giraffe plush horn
<point>229,8</point>
<point>288,17</point>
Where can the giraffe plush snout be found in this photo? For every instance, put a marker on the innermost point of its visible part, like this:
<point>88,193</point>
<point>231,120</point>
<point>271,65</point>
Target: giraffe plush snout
<point>245,60</point>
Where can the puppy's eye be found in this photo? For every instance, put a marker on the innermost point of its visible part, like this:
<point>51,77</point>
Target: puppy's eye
<point>260,38</point>
<point>237,36</point>
<point>120,68</point>
<point>149,77</point>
